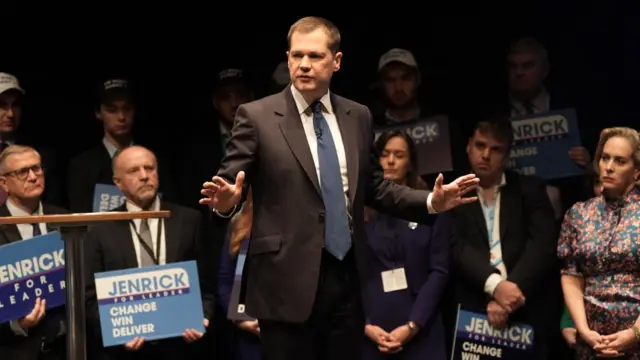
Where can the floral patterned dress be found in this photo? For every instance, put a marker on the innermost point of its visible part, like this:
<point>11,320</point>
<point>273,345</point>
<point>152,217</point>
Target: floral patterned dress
<point>600,240</point>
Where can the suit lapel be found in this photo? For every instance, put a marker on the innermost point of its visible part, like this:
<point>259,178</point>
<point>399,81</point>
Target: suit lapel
<point>508,205</point>
<point>10,233</point>
<point>349,132</point>
<point>294,134</point>
<point>172,233</point>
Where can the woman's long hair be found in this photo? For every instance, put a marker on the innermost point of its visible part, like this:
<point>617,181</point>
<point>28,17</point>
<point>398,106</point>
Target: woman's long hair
<point>241,225</point>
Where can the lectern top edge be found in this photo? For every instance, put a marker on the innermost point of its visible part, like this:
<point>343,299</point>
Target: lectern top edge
<point>61,219</point>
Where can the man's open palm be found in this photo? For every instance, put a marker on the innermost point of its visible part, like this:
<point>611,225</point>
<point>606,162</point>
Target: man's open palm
<point>220,195</point>
<point>447,197</point>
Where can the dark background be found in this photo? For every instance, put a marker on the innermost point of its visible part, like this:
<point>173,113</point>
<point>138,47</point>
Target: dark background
<point>170,53</point>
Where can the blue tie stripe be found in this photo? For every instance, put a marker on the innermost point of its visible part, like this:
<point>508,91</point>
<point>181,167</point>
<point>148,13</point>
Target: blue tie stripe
<point>337,235</point>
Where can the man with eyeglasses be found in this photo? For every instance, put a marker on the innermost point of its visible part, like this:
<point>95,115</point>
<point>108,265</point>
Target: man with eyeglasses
<point>40,334</point>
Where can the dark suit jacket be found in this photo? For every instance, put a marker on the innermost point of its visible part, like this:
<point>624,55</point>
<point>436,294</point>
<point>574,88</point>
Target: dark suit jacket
<point>528,236</point>
<point>14,346</point>
<point>109,246</point>
<point>269,144</point>
<point>423,252</point>
<point>94,167</point>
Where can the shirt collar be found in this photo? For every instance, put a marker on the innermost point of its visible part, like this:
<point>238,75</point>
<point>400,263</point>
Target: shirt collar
<point>302,104</point>
<point>503,182</point>
<point>540,103</point>
<point>155,206</point>
<point>111,149</point>
<point>16,211</point>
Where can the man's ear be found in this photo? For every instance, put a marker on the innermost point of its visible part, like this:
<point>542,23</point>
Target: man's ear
<point>3,184</point>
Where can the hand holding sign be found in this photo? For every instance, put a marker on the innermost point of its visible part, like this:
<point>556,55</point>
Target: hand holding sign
<point>34,317</point>
<point>191,335</point>
<point>135,344</point>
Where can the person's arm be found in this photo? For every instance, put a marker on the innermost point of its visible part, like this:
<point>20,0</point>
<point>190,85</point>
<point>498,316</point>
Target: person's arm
<point>539,255</point>
<point>386,196</point>
<point>242,148</point>
<point>571,277</point>
<point>473,264</point>
<point>427,302</point>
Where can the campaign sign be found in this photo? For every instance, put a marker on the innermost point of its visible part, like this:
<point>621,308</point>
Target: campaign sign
<point>31,269</point>
<point>154,302</point>
<point>107,197</point>
<point>431,137</point>
<point>476,339</point>
<point>542,143</point>
<point>236,311</point>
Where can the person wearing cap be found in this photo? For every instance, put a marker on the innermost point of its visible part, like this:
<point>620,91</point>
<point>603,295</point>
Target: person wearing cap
<point>116,111</point>
<point>399,78</point>
<point>231,90</point>
<point>11,100</point>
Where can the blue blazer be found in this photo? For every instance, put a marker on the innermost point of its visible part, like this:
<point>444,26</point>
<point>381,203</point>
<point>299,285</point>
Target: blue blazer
<point>247,344</point>
<point>423,252</point>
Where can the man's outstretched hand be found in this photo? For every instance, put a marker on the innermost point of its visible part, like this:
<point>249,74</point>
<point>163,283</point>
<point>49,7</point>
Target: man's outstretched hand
<point>220,195</point>
<point>447,197</point>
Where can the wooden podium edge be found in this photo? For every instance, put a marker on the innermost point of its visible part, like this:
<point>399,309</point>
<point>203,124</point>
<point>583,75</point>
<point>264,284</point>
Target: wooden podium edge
<point>84,217</point>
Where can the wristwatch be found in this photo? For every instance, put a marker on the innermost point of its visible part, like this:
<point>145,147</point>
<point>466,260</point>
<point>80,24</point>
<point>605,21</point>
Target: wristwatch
<point>413,328</point>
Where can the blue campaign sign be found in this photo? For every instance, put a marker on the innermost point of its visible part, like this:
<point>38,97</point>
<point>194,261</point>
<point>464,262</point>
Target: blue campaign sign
<point>154,302</point>
<point>107,197</point>
<point>475,338</point>
<point>542,143</point>
<point>31,269</point>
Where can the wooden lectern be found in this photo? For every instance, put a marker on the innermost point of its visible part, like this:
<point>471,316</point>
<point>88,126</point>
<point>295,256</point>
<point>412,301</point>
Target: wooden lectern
<point>73,227</point>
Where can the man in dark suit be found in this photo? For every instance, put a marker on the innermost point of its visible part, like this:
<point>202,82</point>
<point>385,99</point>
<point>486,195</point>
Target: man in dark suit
<point>40,334</point>
<point>12,97</point>
<point>116,246</point>
<point>504,244</point>
<point>116,111</point>
<point>309,157</point>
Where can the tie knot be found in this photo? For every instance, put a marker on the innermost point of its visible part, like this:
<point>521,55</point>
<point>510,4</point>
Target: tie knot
<point>316,107</point>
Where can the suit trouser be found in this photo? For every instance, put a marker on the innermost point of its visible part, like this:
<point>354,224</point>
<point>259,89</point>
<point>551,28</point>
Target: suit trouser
<point>335,328</point>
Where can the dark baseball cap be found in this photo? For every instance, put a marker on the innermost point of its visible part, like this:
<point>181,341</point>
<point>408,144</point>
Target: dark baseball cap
<point>113,89</point>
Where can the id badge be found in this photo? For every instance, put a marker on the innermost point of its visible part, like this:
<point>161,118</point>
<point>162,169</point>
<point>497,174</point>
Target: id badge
<point>394,280</point>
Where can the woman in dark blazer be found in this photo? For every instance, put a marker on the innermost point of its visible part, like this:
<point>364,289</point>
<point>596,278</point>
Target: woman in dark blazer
<point>247,340</point>
<point>408,270</point>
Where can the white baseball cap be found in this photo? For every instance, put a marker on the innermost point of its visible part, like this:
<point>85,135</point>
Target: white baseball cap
<point>397,55</point>
<point>9,82</point>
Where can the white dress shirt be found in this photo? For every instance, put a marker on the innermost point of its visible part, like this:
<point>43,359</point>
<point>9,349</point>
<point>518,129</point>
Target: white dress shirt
<point>153,227</point>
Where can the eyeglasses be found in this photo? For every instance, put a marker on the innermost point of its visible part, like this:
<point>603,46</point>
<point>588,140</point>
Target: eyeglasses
<point>23,174</point>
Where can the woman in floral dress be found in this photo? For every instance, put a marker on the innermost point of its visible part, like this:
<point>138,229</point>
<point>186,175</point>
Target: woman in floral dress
<point>600,249</point>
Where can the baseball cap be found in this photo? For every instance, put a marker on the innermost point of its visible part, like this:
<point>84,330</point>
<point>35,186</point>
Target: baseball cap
<point>230,75</point>
<point>113,89</point>
<point>9,82</point>
<point>397,55</point>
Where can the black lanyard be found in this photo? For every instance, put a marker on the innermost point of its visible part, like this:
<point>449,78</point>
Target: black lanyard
<point>154,256</point>
<point>391,236</point>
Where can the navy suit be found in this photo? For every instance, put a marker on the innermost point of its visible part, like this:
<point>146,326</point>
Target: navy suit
<point>423,251</point>
<point>248,345</point>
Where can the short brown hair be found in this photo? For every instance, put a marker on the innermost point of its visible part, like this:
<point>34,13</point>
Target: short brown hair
<point>311,23</point>
<point>498,127</point>
<point>530,45</point>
